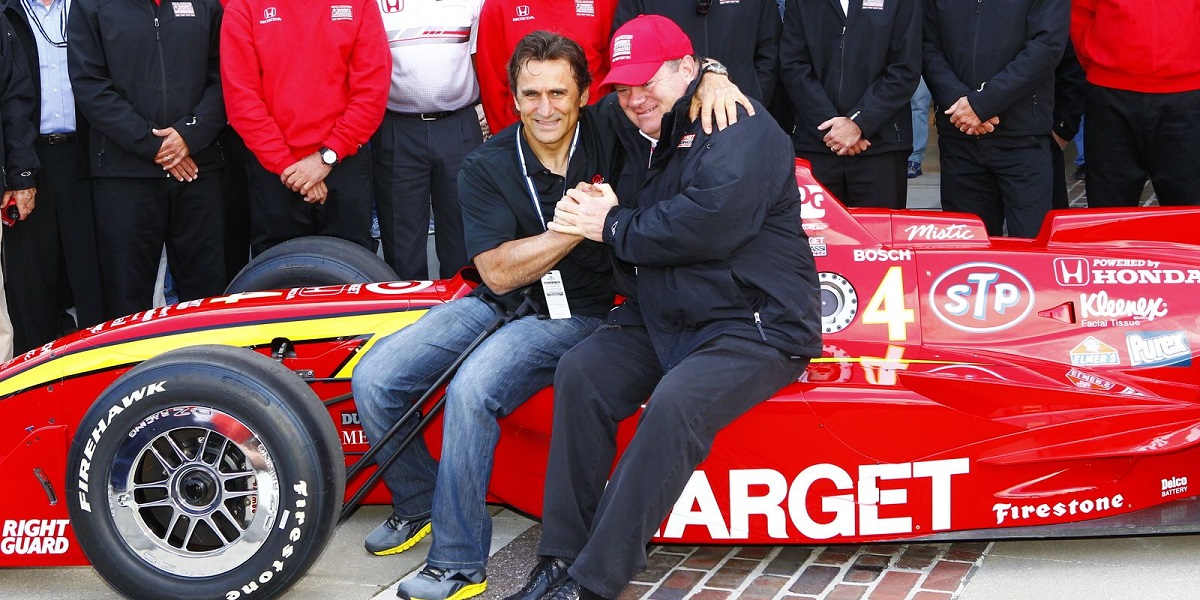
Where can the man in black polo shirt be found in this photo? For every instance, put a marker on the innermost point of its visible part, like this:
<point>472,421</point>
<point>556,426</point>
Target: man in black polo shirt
<point>508,189</point>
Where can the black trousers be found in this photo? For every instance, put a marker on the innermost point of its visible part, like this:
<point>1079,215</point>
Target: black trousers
<point>604,380</point>
<point>1006,180</point>
<point>875,180</point>
<point>1132,137</point>
<point>277,214</point>
<point>137,216</point>
<point>50,257</point>
<point>235,190</point>
<point>415,164</point>
<point>1058,175</point>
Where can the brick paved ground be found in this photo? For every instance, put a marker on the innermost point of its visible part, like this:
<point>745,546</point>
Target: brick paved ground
<point>873,572</point>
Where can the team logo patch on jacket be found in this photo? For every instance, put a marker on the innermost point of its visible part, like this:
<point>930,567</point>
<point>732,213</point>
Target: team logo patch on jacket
<point>183,9</point>
<point>341,12</point>
<point>686,141</point>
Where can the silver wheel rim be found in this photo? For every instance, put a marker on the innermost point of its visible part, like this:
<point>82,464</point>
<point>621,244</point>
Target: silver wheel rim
<point>193,491</point>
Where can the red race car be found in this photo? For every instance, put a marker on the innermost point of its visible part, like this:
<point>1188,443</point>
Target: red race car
<point>971,387</point>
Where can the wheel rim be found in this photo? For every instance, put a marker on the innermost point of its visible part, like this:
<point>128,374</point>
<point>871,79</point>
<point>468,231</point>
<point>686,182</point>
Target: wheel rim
<point>193,491</point>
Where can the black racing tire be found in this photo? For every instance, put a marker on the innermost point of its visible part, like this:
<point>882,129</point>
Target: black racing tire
<point>206,472</point>
<point>311,261</point>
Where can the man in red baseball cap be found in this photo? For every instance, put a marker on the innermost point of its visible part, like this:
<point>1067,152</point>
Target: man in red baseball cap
<point>722,311</point>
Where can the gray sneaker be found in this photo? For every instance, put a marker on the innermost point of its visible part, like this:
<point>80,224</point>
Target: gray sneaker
<point>396,535</point>
<point>433,583</point>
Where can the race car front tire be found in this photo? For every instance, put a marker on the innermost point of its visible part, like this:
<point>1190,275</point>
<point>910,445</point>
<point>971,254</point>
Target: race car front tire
<point>311,261</point>
<point>206,472</point>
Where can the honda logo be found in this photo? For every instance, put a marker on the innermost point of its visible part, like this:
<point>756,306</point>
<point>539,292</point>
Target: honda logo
<point>269,13</point>
<point>392,6</point>
<point>1072,271</point>
<point>523,10</point>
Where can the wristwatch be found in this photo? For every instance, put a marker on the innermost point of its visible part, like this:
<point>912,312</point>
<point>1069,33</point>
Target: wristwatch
<point>328,156</point>
<point>712,65</point>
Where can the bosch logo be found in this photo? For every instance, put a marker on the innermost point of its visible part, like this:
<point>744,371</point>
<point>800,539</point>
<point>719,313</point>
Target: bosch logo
<point>981,297</point>
<point>1072,271</point>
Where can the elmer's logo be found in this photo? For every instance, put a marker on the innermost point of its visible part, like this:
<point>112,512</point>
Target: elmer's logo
<point>1093,352</point>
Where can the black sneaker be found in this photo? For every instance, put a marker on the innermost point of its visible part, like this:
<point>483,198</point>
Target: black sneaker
<point>570,589</point>
<point>433,583</point>
<point>1081,172</point>
<point>396,535</point>
<point>548,573</point>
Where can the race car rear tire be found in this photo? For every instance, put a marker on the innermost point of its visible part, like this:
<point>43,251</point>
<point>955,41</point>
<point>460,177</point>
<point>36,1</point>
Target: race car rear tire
<point>311,261</point>
<point>206,472</point>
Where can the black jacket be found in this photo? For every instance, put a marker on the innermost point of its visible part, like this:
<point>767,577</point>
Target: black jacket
<point>1001,55</point>
<point>1070,87</point>
<point>714,231</point>
<point>137,66</point>
<point>17,133</point>
<point>20,21</point>
<point>743,35</point>
<point>865,66</point>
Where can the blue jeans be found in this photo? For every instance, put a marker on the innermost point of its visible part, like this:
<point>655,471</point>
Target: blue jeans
<point>510,366</point>
<point>919,104</point>
<point>1080,159</point>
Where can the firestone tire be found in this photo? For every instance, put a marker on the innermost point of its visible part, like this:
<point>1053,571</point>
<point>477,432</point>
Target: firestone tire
<point>311,261</point>
<point>206,472</point>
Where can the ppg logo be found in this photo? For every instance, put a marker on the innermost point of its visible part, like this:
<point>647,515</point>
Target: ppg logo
<point>1072,271</point>
<point>981,297</point>
<point>812,201</point>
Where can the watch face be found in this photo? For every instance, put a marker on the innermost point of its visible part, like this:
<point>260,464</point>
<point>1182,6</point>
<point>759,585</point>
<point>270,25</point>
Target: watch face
<point>328,156</point>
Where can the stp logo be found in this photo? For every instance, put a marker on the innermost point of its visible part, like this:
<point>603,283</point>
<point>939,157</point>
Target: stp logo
<point>981,297</point>
<point>1072,271</point>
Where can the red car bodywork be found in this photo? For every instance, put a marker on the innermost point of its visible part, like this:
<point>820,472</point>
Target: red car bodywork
<point>971,387</point>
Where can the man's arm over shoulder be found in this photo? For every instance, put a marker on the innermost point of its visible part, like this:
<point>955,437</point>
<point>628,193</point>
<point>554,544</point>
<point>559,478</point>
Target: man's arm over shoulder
<point>892,92</point>
<point>1046,32</point>
<point>16,104</point>
<point>370,78</point>
<point>95,91</point>
<point>723,202</point>
<point>505,262</point>
<point>200,128</point>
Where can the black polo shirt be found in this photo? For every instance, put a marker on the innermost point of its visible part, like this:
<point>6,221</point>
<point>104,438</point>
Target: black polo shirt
<point>497,207</point>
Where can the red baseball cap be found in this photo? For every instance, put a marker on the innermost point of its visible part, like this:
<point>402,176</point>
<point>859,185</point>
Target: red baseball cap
<point>641,46</point>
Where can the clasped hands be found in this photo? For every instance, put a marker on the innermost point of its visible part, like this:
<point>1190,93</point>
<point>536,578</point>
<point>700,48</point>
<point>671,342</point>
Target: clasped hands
<point>174,155</point>
<point>964,118</point>
<point>307,178</point>
<point>582,211</point>
<point>844,136</point>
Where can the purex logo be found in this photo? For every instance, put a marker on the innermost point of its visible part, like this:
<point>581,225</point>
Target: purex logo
<point>981,297</point>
